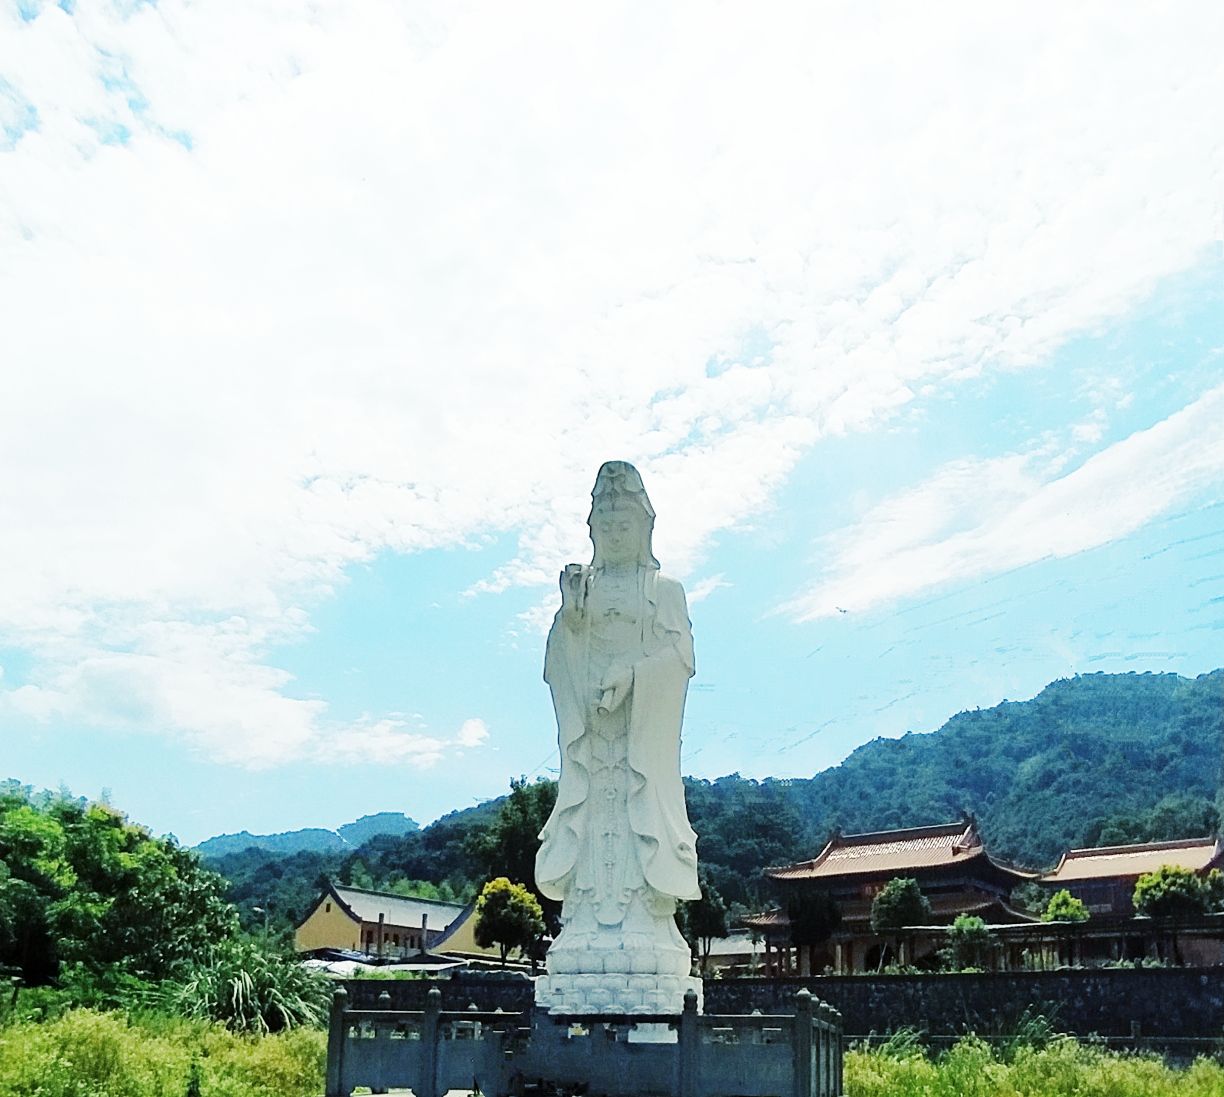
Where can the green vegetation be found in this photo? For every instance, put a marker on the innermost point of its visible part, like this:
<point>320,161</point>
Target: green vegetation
<point>703,920</point>
<point>1064,907</point>
<point>971,945</point>
<point>104,915</point>
<point>250,990</point>
<point>898,904</point>
<point>1176,893</point>
<point>508,916</point>
<point>88,1054</point>
<point>82,887</point>
<point>445,856</point>
<point>82,1053</point>
<point>1063,1067</point>
<point>508,846</point>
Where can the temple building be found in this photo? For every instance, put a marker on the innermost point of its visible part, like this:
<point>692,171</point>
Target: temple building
<point>375,923</point>
<point>950,864</point>
<point>1104,878</point>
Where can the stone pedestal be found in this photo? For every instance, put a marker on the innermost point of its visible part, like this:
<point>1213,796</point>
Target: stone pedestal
<point>612,993</point>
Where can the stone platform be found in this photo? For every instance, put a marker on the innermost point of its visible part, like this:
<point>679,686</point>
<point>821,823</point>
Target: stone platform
<point>517,1054</point>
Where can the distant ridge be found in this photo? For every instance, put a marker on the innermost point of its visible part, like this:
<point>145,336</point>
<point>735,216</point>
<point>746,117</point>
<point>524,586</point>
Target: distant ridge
<point>1094,760</point>
<point>312,839</point>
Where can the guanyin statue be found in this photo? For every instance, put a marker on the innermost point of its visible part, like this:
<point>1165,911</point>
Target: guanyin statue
<point>618,851</point>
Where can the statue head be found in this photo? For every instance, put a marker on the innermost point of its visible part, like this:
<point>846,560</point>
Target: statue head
<point>621,519</point>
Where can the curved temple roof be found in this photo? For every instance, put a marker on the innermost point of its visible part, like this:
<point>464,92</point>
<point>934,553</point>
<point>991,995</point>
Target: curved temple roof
<point>894,851</point>
<point>1196,854</point>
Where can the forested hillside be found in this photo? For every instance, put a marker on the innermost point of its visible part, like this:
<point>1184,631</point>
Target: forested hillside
<point>312,839</point>
<point>1091,760</point>
<point>1084,762</point>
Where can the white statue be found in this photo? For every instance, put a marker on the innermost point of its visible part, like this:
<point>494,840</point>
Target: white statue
<point>618,850</point>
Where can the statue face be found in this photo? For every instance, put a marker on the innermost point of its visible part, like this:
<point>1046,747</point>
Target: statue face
<point>617,535</point>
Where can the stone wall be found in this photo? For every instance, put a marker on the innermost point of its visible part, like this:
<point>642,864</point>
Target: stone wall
<point>511,993</point>
<point>1150,1003</point>
<point>1144,1002</point>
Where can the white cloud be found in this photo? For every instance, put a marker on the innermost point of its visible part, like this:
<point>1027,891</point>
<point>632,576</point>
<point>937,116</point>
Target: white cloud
<point>472,733</point>
<point>703,588</point>
<point>370,278</point>
<point>384,741</point>
<point>978,518</point>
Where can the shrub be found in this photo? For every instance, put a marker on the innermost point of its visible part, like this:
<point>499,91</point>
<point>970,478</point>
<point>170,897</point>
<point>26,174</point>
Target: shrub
<point>1065,907</point>
<point>250,990</point>
<point>971,944</point>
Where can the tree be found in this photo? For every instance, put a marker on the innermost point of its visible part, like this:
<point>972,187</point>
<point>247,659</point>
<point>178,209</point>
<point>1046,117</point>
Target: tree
<point>84,886</point>
<point>508,847</point>
<point>704,919</point>
<point>509,916</point>
<point>898,904</point>
<point>1030,896</point>
<point>1172,892</point>
<point>813,916</point>
<point>1064,907</point>
<point>1214,885</point>
<point>970,944</point>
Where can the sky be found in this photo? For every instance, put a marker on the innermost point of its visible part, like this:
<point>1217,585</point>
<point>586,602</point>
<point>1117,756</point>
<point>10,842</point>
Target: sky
<point>316,322</point>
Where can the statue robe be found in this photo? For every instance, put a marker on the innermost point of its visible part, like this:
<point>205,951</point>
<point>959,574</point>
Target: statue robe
<point>665,844</point>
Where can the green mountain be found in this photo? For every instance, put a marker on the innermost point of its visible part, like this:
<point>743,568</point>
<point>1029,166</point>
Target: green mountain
<point>1088,758</point>
<point>1096,759</point>
<point>392,823</point>
<point>311,839</point>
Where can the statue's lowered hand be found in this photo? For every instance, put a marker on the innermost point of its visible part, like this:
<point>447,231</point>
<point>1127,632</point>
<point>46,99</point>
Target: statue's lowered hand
<point>615,686</point>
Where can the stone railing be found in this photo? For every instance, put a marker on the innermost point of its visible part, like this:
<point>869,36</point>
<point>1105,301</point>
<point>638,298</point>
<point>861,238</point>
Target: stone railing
<point>502,1054</point>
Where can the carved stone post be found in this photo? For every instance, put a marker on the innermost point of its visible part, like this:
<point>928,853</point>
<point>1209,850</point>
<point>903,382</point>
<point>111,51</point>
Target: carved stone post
<point>429,1045</point>
<point>689,1047</point>
<point>802,1037</point>
<point>382,1047</point>
<point>336,1035</point>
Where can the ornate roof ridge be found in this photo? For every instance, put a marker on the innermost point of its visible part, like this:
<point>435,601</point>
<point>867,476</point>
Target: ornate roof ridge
<point>395,895</point>
<point>1140,847</point>
<point>929,830</point>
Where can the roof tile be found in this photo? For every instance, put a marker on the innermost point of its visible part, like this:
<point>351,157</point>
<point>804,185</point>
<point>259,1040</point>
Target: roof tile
<point>1196,854</point>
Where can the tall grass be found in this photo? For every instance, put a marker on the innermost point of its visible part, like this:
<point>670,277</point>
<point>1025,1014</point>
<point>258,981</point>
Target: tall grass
<point>83,1053</point>
<point>1062,1068</point>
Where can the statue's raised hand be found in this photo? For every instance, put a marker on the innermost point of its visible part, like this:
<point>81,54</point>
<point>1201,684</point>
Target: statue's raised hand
<point>573,590</point>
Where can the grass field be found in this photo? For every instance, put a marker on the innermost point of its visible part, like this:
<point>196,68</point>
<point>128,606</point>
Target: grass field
<point>87,1054</point>
<point>1064,1067</point>
<point>83,1053</point>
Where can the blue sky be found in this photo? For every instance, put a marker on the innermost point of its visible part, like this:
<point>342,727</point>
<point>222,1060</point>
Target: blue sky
<point>318,324</point>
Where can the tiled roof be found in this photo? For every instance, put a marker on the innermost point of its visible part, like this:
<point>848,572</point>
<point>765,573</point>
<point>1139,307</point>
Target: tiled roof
<point>1135,860</point>
<point>766,919</point>
<point>398,910</point>
<point>887,851</point>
